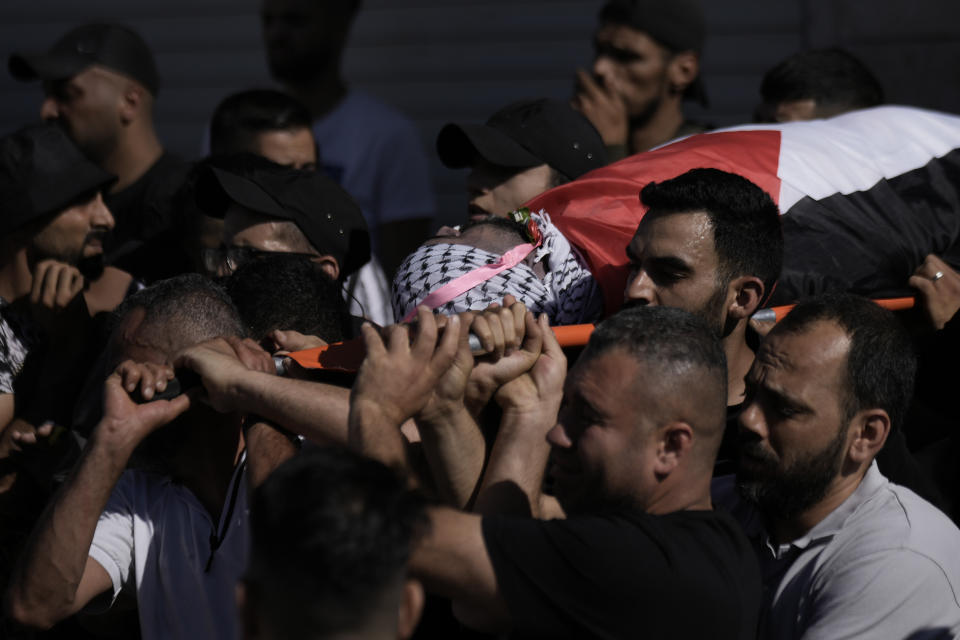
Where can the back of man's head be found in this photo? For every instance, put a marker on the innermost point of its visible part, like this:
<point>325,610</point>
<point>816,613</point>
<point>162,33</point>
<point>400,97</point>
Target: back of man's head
<point>288,292</point>
<point>682,357</point>
<point>331,534</point>
<point>173,314</point>
<point>881,363</point>
<point>747,235</point>
<point>241,117</point>
<point>835,80</point>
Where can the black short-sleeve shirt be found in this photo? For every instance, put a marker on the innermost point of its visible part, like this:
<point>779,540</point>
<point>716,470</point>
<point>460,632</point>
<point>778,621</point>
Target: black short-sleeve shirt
<point>629,574</point>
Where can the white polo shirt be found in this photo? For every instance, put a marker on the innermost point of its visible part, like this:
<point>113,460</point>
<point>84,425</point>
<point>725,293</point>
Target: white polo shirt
<point>155,535</point>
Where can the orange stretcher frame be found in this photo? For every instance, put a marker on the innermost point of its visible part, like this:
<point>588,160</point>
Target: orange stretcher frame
<point>347,355</point>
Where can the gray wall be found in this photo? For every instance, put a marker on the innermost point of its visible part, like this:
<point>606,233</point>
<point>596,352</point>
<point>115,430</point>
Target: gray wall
<point>442,60</point>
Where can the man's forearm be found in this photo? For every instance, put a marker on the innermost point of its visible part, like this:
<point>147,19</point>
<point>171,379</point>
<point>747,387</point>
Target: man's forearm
<point>376,435</point>
<point>455,450</point>
<point>317,411</point>
<point>44,585</point>
<point>513,479</point>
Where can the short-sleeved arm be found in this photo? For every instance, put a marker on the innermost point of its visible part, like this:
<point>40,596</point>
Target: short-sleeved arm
<point>113,540</point>
<point>890,594</point>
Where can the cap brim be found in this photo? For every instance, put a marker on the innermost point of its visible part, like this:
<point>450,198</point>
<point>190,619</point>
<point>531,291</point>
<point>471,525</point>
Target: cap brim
<point>219,188</point>
<point>458,145</point>
<point>45,66</point>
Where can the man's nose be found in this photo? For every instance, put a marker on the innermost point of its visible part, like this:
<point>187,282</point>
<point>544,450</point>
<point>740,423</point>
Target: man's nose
<point>640,288</point>
<point>558,437</point>
<point>751,421</point>
<point>49,109</point>
<point>101,214</point>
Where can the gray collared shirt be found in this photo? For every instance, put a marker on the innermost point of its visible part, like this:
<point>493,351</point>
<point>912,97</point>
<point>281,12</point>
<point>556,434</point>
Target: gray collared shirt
<point>884,564</point>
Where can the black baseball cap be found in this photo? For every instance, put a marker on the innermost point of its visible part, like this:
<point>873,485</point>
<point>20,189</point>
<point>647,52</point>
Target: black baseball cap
<point>109,45</point>
<point>324,212</point>
<point>526,134</point>
<point>43,172</point>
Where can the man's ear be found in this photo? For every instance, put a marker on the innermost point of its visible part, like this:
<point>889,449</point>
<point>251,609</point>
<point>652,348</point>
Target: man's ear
<point>674,442</point>
<point>682,70</point>
<point>131,101</point>
<point>870,430</point>
<point>329,265</point>
<point>747,293</point>
<point>411,606</point>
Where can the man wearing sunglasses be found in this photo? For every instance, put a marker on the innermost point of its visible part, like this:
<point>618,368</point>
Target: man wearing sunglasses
<point>270,209</point>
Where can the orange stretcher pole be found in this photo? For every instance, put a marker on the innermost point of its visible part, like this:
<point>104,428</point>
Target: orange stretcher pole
<point>347,355</point>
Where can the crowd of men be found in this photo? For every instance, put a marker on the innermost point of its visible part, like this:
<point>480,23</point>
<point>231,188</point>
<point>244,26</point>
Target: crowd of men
<point>168,470</point>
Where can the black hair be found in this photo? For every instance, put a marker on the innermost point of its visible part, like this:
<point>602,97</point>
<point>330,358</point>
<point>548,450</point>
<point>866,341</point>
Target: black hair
<point>331,533</point>
<point>240,117</point>
<point>747,235</point>
<point>192,306</point>
<point>881,363</point>
<point>671,339</point>
<point>834,79</point>
<point>285,291</point>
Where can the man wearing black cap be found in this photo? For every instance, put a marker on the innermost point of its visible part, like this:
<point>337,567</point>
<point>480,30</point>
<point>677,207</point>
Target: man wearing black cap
<point>100,82</point>
<point>52,218</point>
<point>272,209</point>
<point>521,151</point>
<point>646,63</point>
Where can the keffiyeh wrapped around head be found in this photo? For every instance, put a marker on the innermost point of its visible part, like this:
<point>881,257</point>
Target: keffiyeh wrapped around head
<point>568,294</point>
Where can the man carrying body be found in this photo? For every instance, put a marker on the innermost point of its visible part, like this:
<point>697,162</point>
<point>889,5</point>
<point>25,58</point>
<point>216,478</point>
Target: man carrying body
<point>101,82</point>
<point>646,63</point>
<point>173,528</point>
<point>274,125</point>
<point>521,151</point>
<point>845,553</point>
<point>370,149</point>
<point>643,414</point>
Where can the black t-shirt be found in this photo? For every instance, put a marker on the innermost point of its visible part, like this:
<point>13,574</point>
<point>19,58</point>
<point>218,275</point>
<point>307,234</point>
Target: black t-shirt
<point>687,574</point>
<point>145,240</point>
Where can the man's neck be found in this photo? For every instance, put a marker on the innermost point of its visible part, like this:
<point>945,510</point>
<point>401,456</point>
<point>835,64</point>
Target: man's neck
<point>322,93</point>
<point>660,128</point>
<point>739,360</point>
<point>783,531</point>
<point>681,492</point>
<point>135,154</point>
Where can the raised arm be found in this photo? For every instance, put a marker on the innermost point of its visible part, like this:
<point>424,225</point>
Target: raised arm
<point>55,576</point>
<point>513,480</point>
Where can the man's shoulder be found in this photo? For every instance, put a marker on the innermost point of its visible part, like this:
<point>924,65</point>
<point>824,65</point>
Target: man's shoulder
<point>361,114</point>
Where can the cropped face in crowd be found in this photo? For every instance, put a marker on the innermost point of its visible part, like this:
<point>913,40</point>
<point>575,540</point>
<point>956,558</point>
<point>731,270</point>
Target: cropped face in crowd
<point>674,263</point>
<point>496,190</point>
<point>75,233</point>
<point>304,38</point>
<point>794,428</point>
<point>633,65</point>
<point>88,106</point>
<point>604,438</point>
<point>293,148</point>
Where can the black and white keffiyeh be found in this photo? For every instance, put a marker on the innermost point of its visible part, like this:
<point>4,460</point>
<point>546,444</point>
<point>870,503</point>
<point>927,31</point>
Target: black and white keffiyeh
<point>568,294</point>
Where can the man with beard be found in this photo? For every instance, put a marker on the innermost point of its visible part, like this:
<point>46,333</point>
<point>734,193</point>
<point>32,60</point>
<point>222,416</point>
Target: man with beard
<point>100,83</point>
<point>710,244</point>
<point>646,63</point>
<point>53,219</point>
<point>844,552</point>
<point>640,552</point>
<point>370,149</point>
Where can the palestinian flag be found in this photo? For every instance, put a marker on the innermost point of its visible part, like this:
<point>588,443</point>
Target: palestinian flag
<point>865,196</point>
